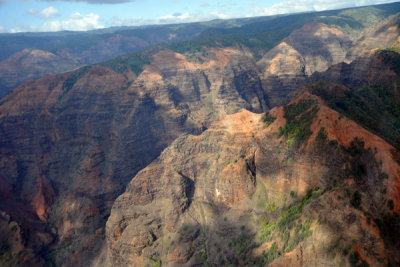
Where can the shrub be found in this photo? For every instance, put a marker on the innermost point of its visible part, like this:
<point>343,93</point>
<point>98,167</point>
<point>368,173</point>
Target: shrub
<point>268,119</point>
<point>391,204</point>
<point>356,200</point>
<point>322,136</point>
<point>298,121</point>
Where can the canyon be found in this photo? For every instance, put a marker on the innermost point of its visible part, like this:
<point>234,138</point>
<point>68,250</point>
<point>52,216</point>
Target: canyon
<point>213,155</point>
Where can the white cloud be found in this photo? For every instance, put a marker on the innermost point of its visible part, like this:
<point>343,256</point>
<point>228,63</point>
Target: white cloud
<point>76,22</point>
<point>176,16</point>
<point>1,29</point>
<point>45,13</point>
<point>24,29</point>
<point>292,6</point>
<point>170,19</point>
<point>48,12</point>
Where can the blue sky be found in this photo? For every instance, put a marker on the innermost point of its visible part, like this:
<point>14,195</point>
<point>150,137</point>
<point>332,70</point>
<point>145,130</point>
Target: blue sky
<point>57,15</point>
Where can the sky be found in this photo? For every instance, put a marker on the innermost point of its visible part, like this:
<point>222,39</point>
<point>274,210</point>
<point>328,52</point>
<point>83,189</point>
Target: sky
<point>82,15</point>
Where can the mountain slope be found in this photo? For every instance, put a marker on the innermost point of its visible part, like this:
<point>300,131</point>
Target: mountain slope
<point>75,49</point>
<point>245,193</point>
<point>72,142</point>
<point>372,97</point>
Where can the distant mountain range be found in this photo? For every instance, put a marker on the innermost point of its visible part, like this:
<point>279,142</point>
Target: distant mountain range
<point>28,56</point>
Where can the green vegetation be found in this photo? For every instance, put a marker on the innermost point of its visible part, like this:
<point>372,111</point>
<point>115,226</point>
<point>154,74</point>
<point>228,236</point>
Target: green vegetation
<point>356,147</point>
<point>7,258</point>
<point>270,207</point>
<point>261,34</point>
<point>394,49</point>
<point>356,200</point>
<point>288,216</point>
<point>299,118</point>
<point>74,77</point>
<point>376,107</point>
<point>268,119</point>
<point>257,39</point>
<point>155,263</point>
<point>351,21</point>
<point>294,110</point>
<point>389,228</point>
<point>287,225</point>
<point>391,57</point>
<point>354,260</point>
<point>133,61</point>
<point>242,246</point>
<point>322,135</point>
<point>203,252</point>
<point>273,253</point>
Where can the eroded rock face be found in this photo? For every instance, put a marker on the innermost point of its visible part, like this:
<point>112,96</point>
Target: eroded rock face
<point>370,69</point>
<point>314,47</point>
<point>30,64</point>
<point>384,34</point>
<point>72,142</point>
<point>209,199</point>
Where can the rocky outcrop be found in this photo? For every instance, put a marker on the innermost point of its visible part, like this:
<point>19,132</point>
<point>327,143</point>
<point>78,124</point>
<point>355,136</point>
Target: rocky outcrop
<point>30,64</point>
<point>236,190</point>
<point>384,34</point>
<point>314,47</point>
<point>371,69</point>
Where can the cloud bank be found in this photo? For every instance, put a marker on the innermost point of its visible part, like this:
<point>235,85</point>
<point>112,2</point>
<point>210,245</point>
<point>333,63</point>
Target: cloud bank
<point>170,19</point>
<point>45,13</point>
<point>75,22</point>
<point>294,6</point>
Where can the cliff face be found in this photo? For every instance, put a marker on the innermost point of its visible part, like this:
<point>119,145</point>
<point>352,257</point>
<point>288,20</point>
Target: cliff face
<point>315,48</point>
<point>30,64</point>
<point>370,69</point>
<point>72,142</point>
<point>384,34</point>
<point>246,193</point>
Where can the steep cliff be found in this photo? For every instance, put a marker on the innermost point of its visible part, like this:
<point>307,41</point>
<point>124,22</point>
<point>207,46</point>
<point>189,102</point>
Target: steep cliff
<point>72,142</point>
<point>316,47</point>
<point>299,186</point>
<point>372,98</point>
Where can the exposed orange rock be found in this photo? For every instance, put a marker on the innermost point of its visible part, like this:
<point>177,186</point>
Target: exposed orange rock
<point>43,199</point>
